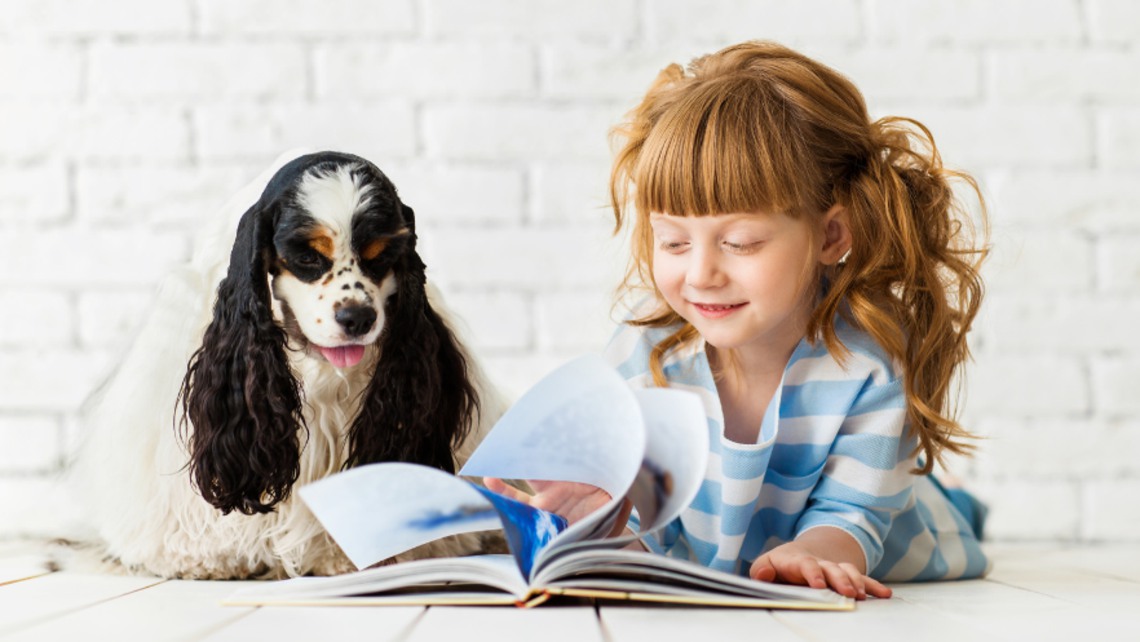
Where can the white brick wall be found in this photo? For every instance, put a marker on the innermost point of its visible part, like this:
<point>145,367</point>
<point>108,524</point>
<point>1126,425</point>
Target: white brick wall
<point>124,124</point>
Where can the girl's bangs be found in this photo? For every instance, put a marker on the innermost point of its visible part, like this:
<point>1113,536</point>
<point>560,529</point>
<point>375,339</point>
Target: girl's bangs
<point>721,150</point>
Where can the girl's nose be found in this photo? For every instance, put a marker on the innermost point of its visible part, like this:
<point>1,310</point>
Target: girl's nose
<point>703,272</point>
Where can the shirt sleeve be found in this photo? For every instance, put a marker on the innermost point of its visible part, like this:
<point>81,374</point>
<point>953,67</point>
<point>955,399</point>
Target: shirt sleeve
<point>866,478</point>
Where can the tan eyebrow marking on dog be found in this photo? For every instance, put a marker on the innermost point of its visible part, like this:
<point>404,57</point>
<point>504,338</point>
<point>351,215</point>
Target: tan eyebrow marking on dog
<point>321,241</point>
<point>373,249</point>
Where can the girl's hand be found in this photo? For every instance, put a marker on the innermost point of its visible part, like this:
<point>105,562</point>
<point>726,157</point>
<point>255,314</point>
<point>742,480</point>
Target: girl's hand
<point>570,500</point>
<point>794,563</point>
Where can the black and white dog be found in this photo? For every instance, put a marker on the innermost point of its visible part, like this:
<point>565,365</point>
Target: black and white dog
<point>304,342</point>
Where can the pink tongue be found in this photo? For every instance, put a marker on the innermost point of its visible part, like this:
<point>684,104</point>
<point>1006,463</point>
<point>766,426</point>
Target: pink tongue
<point>344,356</point>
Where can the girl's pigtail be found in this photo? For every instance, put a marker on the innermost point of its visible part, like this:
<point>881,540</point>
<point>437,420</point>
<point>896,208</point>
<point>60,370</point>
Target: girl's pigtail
<point>912,279</point>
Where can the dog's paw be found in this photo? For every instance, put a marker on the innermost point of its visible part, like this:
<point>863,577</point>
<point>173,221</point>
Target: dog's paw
<point>85,557</point>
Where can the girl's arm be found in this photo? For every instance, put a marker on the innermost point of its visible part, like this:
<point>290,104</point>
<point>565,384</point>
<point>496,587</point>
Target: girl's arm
<point>822,557</point>
<point>866,481</point>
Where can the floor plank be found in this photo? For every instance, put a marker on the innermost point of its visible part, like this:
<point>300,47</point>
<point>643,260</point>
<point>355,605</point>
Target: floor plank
<point>975,598</point>
<point>1017,611</point>
<point>21,568</point>
<point>638,623</point>
<point>1039,592</point>
<point>342,623</point>
<point>549,623</point>
<point>887,619</point>
<point>1080,586</point>
<point>175,610</point>
<point>26,603</point>
<point>22,560</point>
<point>1121,562</point>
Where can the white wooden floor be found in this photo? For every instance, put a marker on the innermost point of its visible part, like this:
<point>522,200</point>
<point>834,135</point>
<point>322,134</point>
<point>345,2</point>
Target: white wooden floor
<point>1035,593</point>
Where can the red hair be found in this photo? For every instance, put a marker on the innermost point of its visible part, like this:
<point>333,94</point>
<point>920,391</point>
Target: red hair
<point>757,127</point>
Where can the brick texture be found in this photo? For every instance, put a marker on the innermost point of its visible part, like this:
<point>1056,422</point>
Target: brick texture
<point>122,130</point>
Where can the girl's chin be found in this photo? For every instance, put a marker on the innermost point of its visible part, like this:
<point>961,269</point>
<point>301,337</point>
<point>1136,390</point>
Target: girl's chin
<point>721,339</point>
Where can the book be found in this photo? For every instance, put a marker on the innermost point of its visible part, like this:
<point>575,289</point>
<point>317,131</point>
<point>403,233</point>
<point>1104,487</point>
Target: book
<point>582,423</point>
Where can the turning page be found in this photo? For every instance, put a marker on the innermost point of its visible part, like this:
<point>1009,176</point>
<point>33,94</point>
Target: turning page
<point>581,423</point>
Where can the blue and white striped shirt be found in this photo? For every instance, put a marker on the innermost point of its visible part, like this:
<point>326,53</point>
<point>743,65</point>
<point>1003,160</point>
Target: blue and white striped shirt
<point>832,451</point>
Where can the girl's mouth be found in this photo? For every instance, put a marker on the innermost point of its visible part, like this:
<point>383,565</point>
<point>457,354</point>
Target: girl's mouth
<point>717,311</point>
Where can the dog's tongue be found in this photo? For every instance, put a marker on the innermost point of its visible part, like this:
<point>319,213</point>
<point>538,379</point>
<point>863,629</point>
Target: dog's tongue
<point>344,356</point>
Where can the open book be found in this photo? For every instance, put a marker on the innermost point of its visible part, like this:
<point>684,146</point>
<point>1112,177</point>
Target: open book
<point>582,423</point>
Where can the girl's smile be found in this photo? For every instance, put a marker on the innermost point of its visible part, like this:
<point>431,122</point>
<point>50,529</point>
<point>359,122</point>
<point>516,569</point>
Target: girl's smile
<point>717,311</point>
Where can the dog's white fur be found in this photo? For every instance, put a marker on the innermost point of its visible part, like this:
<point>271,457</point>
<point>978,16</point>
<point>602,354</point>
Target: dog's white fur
<point>131,473</point>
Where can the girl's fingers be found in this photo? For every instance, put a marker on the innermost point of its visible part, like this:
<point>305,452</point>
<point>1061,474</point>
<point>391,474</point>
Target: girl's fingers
<point>838,579</point>
<point>842,577</point>
<point>763,570</point>
<point>858,580</point>
<point>877,588</point>
<point>864,584</point>
<point>811,573</point>
<point>496,485</point>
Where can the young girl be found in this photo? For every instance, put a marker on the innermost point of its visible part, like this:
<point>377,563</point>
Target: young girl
<point>809,275</point>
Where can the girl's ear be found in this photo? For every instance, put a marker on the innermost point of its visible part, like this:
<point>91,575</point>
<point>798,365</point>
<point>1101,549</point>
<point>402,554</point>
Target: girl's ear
<point>836,237</point>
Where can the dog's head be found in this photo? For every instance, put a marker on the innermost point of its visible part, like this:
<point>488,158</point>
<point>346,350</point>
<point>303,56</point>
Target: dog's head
<point>331,249</point>
<point>339,232</point>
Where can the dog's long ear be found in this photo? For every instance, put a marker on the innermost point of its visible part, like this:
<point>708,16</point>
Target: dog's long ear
<point>421,401</point>
<point>240,397</point>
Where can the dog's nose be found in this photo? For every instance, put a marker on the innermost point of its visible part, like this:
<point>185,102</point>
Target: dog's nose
<point>356,319</point>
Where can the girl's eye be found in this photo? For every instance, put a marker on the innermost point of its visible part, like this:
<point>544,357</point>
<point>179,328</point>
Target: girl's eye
<point>672,246</point>
<point>744,248</point>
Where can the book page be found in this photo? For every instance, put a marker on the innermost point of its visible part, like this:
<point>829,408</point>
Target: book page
<point>436,574</point>
<point>380,510</point>
<point>580,423</point>
<point>676,455</point>
<point>668,479</point>
<point>528,529</point>
<point>639,571</point>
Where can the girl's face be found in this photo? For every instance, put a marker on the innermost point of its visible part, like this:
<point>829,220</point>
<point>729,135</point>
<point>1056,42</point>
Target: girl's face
<point>744,281</point>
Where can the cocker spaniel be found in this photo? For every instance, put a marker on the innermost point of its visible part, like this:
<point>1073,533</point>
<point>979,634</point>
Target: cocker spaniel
<point>312,345</point>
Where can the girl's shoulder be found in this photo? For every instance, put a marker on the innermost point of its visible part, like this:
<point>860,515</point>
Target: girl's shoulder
<point>865,359</point>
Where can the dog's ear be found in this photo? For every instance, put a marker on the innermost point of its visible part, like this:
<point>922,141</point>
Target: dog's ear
<point>239,395</point>
<point>421,401</point>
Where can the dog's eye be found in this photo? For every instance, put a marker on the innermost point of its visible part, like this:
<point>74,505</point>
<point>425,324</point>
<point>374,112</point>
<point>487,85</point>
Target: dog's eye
<point>307,259</point>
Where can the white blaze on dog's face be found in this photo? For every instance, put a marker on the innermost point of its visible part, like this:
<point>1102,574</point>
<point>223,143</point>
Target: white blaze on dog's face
<point>337,241</point>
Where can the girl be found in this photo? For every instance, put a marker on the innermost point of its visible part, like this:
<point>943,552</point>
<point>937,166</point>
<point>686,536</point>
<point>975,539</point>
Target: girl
<point>809,274</point>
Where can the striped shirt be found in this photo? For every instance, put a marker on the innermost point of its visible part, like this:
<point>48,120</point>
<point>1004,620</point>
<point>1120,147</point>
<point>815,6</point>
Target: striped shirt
<point>833,450</point>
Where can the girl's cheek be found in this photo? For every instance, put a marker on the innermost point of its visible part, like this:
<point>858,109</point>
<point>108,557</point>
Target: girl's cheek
<point>667,270</point>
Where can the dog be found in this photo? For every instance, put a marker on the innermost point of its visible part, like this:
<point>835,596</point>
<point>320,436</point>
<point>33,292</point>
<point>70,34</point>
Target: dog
<point>312,345</point>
